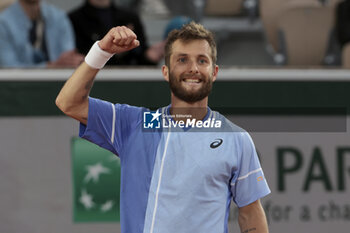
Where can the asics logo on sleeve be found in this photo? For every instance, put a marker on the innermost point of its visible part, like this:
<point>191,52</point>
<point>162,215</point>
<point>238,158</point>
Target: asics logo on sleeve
<point>216,143</point>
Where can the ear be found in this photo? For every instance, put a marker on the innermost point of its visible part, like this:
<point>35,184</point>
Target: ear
<point>215,72</point>
<point>165,72</point>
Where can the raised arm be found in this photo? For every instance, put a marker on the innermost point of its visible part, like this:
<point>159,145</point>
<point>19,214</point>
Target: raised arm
<point>252,218</point>
<point>73,97</point>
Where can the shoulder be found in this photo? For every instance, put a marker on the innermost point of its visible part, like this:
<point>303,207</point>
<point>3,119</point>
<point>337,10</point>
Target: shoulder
<point>235,132</point>
<point>10,12</point>
<point>130,108</point>
<point>128,113</point>
<point>13,19</point>
<point>227,125</point>
<point>99,104</point>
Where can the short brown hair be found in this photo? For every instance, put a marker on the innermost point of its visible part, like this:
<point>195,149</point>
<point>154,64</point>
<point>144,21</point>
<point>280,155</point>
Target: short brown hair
<point>191,31</point>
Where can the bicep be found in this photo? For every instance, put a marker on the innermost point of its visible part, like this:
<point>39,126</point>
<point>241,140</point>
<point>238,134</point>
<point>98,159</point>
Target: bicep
<point>251,208</point>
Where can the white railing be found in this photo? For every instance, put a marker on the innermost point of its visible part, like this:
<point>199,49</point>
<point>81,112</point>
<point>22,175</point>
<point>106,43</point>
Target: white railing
<point>155,74</point>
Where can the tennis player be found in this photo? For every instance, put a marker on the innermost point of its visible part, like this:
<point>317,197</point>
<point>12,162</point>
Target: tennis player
<point>172,180</point>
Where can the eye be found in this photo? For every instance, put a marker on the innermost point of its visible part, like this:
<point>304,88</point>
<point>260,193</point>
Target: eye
<point>182,59</point>
<point>202,61</point>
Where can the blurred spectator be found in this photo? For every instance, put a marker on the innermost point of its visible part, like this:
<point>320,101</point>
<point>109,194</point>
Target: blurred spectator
<point>36,34</point>
<point>343,22</point>
<point>95,18</point>
<point>176,23</point>
<point>5,3</point>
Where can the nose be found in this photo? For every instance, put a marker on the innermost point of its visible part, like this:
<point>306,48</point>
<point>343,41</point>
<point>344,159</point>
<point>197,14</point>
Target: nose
<point>193,69</point>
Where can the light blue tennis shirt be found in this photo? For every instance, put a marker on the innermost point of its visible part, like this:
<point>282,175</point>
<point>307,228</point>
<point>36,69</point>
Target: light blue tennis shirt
<point>176,180</point>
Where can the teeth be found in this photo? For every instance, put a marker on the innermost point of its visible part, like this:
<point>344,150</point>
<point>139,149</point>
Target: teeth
<point>192,80</point>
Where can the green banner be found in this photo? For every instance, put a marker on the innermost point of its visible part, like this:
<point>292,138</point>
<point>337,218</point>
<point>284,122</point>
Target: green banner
<point>38,98</point>
<point>96,183</point>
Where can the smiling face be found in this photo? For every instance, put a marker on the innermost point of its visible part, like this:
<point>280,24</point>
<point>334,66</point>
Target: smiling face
<point>191,71</point>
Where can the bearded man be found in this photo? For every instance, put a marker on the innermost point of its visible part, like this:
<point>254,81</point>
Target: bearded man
<point>178,173</point>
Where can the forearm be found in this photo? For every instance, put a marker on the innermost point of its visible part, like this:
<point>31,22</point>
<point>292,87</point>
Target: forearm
<point>252,219</point>
<point>257,226</point>
<point>73,97</point>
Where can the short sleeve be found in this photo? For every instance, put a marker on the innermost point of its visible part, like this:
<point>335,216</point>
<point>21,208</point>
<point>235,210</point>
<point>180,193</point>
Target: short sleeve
<point>109,125</point>
<point>248,183</point>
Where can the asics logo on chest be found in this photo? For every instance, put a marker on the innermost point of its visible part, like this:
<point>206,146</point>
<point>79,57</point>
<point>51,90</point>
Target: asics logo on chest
<point>216,143</point>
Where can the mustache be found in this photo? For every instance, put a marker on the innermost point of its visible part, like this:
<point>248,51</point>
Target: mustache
<point>197,76</point>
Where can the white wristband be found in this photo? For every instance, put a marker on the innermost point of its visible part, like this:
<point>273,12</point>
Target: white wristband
<point>96,57</point>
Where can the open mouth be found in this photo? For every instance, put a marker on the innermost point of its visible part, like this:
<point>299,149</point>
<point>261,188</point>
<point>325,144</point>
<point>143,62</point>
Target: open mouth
<point>189,80</point>
<point>193,79</point>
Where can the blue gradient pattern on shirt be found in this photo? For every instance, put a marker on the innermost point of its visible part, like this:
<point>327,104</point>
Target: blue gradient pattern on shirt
<point>174,181</point>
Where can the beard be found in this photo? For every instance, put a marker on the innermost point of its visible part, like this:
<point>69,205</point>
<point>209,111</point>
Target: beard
<point>190,96</point>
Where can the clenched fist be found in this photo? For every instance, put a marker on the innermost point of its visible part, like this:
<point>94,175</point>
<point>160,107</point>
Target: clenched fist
<point>118,40</point>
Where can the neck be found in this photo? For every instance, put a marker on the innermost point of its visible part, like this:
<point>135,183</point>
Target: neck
<point>32,9</point>
<point>183,110</point>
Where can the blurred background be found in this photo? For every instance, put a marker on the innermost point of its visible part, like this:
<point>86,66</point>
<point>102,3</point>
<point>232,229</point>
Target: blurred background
<point>284,76</point>
<point>256,32</point>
